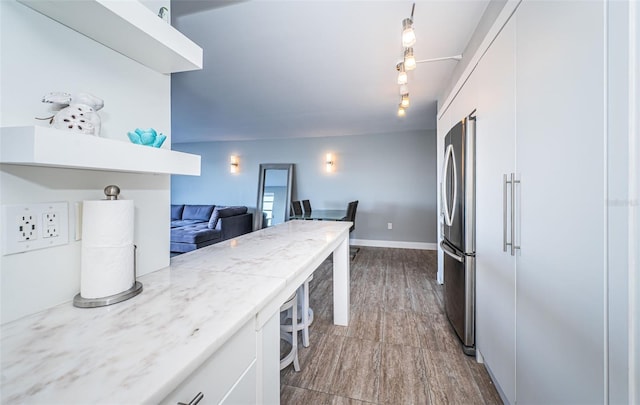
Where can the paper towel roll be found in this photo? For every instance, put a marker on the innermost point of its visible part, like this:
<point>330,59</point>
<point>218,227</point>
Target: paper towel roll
<point>107,248</point>
<point>106,271</point>
<point>107,223</point>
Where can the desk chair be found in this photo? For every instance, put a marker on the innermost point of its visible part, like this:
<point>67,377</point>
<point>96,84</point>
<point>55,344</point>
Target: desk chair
<point>297,207</point>
<point>351,216</point>
<point>306,204</point>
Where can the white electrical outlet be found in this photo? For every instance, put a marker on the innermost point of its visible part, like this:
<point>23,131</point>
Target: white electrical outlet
<point>389,225</point>
<point>50,224</point>
<point>28,227</point>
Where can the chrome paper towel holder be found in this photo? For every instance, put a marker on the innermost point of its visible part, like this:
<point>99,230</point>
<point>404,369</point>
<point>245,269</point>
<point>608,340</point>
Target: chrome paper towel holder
<point>79,301</point>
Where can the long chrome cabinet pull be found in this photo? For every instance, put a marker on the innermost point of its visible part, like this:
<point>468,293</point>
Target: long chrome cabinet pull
<point>504,213</point>
<point>513,214</point>
<point>195,399</point>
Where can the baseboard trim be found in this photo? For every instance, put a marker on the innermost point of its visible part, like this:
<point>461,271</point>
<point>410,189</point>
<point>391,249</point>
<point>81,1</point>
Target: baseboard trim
<point>394,244</point>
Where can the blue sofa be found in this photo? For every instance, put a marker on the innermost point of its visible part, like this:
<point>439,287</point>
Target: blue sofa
<point>196,226</point>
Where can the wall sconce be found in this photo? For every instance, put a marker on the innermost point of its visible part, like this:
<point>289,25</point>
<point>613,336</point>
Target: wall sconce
<point>329,163</point>
<point>234,164</point>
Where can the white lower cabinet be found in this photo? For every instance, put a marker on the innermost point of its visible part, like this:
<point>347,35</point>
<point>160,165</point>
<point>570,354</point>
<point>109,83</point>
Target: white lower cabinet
<point>227,377</point>
<point>540,116</point>
<point>244,392</point>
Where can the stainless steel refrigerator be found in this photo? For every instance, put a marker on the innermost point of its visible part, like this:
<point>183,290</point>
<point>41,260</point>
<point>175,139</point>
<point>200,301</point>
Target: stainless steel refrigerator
<point>458,231</point>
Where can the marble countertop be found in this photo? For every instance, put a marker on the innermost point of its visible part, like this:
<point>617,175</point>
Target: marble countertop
<point>139,350</point>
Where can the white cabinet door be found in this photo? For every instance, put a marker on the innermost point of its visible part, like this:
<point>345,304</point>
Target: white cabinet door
<point>232,365</point>
<point>495,154</point>
<point>560,162</point>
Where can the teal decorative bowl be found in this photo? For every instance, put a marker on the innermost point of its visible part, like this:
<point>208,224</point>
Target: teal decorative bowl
<point>148,137</point>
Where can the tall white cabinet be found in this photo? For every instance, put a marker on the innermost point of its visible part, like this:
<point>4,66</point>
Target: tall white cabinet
<point>539,91</point>
<point>560,271</point>
<point>496,157</point>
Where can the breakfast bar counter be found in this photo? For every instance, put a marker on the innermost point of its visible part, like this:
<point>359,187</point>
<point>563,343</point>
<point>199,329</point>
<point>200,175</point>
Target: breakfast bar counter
<point>207,323</point>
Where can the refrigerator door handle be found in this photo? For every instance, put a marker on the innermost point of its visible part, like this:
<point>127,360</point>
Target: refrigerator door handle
<point>449,155</point>
<point>450,252</point>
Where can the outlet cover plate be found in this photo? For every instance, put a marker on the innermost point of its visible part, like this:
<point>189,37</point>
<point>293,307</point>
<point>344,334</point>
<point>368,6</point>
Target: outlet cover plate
<point>51,222</point>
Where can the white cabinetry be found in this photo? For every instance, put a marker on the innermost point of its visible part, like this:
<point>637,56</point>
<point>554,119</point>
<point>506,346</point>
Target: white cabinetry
<point>228,376</point>
<point>540,312</point>
<point>495,157</point>
<point>559,148</point>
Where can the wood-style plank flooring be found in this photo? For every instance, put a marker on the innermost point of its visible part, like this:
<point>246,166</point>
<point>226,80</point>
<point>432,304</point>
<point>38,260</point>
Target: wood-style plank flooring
<point>398,348</point>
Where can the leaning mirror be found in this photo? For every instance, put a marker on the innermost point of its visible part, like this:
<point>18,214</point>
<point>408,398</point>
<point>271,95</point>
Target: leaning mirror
<point>274,194</point>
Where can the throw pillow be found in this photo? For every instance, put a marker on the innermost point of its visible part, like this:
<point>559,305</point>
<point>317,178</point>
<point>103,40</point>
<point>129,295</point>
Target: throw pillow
<point>176,211</point>
<point>198,212</point>
<point>224,212</point>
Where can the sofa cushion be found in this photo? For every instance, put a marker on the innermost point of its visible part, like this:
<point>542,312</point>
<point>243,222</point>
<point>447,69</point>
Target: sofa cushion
<point>224,212</point>
<point>176,211</point>
<point>201,212</point>
<point>183,222</point>
<point>196,233</point>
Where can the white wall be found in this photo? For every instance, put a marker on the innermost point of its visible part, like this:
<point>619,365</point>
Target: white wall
<point>39,55</point>
<point>393,176</point>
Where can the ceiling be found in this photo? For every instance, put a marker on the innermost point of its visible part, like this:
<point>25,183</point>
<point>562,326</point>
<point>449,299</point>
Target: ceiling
<point>286,69</point>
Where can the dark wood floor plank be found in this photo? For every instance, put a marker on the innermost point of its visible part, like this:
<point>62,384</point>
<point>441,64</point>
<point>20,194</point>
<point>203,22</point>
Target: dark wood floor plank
<point>483,381</point>
<point>296,396</point>
<point>317,365</point>
<point>400,328</point>
<point>366,323</point>
<point>449,379</point>
<point>436,334</point>
<point>358,372</point>
<point>403,376</point>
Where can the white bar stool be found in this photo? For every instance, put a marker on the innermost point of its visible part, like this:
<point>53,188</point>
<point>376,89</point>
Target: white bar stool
<point>304,314</point>
<point>286,333</point>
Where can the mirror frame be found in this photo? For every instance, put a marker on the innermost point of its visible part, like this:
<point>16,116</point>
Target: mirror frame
<point>261,177</point>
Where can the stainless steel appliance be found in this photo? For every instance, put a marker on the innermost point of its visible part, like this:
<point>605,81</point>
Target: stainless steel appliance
<point>458,244</point>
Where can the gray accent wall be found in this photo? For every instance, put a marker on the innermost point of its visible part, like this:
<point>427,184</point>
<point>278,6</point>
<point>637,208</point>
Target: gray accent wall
<point>393,176</point>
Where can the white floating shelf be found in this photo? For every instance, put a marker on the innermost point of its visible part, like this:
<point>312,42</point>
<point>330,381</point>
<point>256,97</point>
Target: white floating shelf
<point>127,27</point>
<point>41,146</point>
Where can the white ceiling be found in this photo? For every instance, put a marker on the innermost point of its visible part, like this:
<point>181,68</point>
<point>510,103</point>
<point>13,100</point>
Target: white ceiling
<point>283,69</point>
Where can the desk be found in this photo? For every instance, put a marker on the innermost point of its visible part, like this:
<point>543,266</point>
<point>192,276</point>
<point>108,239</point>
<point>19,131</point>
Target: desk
<point>144,349</point>
<point>326,215</point>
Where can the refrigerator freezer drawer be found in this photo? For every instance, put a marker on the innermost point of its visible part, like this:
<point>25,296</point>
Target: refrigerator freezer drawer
<point>459,295</point>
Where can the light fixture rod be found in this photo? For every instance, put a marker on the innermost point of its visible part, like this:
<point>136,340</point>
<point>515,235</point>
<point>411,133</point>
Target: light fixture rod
<point>412,10</point>
<point>456,57</point>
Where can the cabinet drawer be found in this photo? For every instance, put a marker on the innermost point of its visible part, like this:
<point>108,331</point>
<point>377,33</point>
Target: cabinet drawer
<point>244,392</point>
<point>220,373</point>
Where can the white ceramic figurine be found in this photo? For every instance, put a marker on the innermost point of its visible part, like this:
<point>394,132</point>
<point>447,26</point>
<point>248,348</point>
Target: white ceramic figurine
<point>78,112</point>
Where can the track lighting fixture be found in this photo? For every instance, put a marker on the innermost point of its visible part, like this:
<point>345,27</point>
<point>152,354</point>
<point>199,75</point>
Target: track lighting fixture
<point>405,100</point>
<point>409,61</point>
<point>401,111</point>
<point>402,74</point>
<point>408,35</point>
